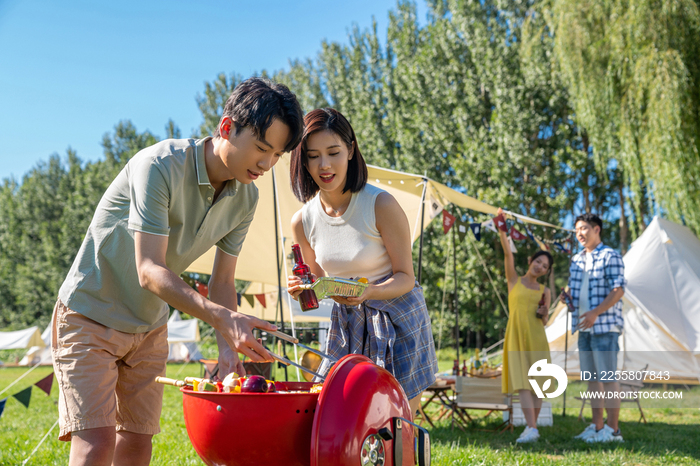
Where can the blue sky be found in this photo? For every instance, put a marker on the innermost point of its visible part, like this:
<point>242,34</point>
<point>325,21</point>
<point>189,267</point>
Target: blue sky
<point>71,70</point>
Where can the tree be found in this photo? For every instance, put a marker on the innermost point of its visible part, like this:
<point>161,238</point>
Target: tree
<point>634,76</point>
<point>43,221</point>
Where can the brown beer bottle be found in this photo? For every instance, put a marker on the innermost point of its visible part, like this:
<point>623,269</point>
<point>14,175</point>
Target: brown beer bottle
<point>307,298</point>
<point>540,304</point>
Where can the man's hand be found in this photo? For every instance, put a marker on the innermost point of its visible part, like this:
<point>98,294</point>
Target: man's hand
<point>237,331</point>
<point>587,319</point>
<point>229,362</point>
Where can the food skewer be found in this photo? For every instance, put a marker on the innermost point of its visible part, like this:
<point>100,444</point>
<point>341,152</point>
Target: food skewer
<point>169,381</point>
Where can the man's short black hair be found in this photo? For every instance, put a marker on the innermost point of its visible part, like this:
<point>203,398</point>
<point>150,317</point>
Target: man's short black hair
<point>256,102</point>
<point>591,219</point>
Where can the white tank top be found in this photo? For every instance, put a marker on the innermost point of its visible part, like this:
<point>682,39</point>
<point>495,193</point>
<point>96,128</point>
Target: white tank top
<point>348,246</point>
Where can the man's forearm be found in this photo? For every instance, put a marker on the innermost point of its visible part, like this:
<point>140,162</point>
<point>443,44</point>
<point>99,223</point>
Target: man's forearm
<point>613,297</point>
<point>223,293</point>
<point>163,282</point>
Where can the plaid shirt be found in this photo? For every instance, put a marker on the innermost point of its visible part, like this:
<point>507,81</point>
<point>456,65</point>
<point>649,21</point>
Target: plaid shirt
<point>394,333</point>
<point>608,272</point>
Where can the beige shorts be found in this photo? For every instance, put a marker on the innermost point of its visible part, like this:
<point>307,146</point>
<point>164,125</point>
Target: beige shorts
<point>106,377</point>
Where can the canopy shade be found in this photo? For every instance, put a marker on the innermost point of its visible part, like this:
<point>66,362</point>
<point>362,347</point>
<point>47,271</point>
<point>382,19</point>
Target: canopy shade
<point>270,312</point>
<point>256,262</point>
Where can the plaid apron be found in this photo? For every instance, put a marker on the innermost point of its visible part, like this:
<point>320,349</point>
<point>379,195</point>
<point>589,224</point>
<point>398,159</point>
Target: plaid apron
<point>394,333</point>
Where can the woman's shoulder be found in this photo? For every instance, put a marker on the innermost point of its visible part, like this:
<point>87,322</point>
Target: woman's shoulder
<point>372,190</point>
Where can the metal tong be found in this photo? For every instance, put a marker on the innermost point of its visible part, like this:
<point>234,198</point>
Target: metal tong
<point>295,341</point>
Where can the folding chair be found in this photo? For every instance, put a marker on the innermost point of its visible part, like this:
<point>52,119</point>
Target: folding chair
<point>631,388</point>
<point>475,393</point>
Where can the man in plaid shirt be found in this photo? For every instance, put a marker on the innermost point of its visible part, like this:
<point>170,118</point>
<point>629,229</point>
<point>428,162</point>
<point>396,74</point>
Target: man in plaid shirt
<point>597,284</point>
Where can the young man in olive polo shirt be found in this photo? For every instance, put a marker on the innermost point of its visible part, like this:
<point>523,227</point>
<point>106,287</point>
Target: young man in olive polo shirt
<point>170,204</point>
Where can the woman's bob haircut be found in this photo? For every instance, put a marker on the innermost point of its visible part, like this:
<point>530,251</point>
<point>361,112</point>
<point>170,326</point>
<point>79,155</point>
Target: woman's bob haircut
<point>326,119</point>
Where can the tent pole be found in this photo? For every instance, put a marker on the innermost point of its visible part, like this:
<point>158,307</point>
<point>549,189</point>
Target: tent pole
<point>454,295</point>
<point>422,219</point>
<point>566,333</point>
<point>279,272</point>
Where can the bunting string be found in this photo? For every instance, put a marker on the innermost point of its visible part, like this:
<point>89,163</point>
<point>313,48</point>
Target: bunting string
<point>40,443</point>
<point>495,290</point>
<point>20,378</point>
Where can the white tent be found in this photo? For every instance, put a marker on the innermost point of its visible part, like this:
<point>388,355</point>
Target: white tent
<point>257,262</point>
<point>39,354</point>
<point>661,306</point>
<point>21,339</point>
<point>183,336</point>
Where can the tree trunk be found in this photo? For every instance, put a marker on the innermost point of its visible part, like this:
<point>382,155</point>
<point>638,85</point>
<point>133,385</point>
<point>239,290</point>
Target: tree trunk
<point>624,230</point>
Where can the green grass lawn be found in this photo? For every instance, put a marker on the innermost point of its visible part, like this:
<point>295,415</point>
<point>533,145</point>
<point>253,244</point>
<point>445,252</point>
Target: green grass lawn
<point>672,436</point>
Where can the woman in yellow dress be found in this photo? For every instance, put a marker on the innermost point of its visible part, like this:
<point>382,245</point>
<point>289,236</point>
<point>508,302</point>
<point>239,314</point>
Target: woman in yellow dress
<point>526,341</point>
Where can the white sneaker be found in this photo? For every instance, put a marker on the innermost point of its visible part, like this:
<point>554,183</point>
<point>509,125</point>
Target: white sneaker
<point>587,433</point>
<point>606,434</point>
<point>528,435</point>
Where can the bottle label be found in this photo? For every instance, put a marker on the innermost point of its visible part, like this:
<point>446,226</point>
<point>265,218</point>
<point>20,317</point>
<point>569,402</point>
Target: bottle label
<point>306,280</point>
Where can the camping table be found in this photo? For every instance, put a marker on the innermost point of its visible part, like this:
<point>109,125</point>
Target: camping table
<point>438,395</point>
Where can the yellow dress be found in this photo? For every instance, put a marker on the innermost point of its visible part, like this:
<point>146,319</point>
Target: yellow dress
<point>526,341</point>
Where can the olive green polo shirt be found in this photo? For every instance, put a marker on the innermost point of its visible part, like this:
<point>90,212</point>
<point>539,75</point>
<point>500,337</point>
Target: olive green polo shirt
<point>163,190</point>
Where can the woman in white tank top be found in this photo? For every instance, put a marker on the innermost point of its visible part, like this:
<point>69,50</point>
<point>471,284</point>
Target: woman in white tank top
<point>349,229</point>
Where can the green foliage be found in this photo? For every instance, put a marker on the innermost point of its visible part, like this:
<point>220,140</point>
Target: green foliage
<point>667,439</point>
<point>474,99</point>
<point>546,107</point>
<point>634,74</point>
<point>43,222</point>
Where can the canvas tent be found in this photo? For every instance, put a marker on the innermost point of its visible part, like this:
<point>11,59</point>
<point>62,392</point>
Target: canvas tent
<point>21,339</point>
<point>420,197</point>
<point>183,336</point>
<point>40,354</point>
<point>661,306</point>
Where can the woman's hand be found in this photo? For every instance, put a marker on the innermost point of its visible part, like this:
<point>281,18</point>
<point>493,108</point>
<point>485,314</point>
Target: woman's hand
<point>355,300</point>
<point>293,284</point>
<point>543,312</point>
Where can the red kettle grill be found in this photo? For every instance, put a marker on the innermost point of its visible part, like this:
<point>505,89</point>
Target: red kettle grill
<point>361,417</point>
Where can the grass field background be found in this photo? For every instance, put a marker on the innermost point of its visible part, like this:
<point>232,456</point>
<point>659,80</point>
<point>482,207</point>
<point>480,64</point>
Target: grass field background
<point>671,437</point>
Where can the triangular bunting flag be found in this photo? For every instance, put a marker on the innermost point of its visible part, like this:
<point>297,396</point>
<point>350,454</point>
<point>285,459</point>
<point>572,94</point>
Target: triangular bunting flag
<point>261,298</point>
<point>24,396</point>
<point>46,383</point>
<point>238,299</point>
<point>500,222</point>
<point>512,245</point>
<point>447,221</point>
<point>462,228</point>
<point>476,229</point>
<point>434,208</point>
<point>489,225</point>
<point>516,235</point>
<point>2,405</point>
<point>202,288</point>
<point>561,248</point>
<point>249,298</point>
